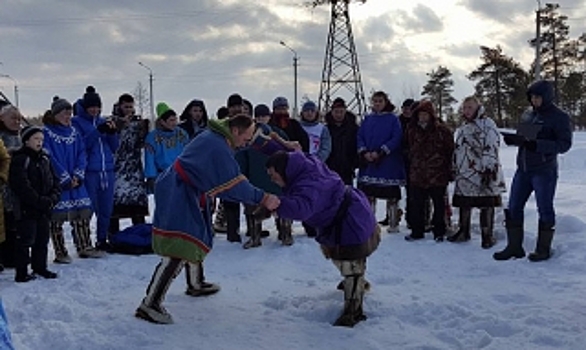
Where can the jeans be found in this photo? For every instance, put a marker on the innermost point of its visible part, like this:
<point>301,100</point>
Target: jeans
<point>543,182</point>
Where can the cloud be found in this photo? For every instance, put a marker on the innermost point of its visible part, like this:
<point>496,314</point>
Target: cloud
<point>422,20</point>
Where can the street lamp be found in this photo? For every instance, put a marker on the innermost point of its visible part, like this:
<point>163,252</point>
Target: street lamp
<point>15,87</point>
<point>295,64</point>
<point>152,102</point>
<point>538,41</point>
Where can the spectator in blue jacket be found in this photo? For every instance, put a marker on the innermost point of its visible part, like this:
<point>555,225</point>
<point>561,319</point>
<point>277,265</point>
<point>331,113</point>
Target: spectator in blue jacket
<point>101,142</point>
<point>544,132</point>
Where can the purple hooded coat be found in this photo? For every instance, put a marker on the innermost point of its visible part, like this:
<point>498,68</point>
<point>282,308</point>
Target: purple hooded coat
<point>313,194</point>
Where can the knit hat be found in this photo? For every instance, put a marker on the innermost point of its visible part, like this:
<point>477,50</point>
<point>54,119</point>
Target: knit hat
<point>261,111</point>
<point>91,98</point>
<point>59,104</point>
<point>339,103</point>
<point>309,106</point>
<point>164,112</point>
<point>280,102</point>
<point>28,131</point>
<point>234,100</point>
<point>407,103</point>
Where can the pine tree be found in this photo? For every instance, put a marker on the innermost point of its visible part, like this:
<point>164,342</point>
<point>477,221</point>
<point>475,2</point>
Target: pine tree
<point>501,85</point>
<point>439,90</point>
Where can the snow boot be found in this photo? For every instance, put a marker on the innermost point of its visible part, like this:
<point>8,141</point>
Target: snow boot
<point>58,241</point>
<point>394,215</point>
<point>487,227</point>
<point>254,228</point>
<point>220,219</point>
<point>150,308</point>
<point>285,232</point>
<point>463,233</point>
<point>544,239</point>
<point>353,296</point>
<point>196,284</point>
<point>154,313</point>
<point>514,248</point>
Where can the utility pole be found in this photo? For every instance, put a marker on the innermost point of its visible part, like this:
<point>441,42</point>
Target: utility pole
<point>295,64</point>
<point>151,99</point>
<point>538,41</point>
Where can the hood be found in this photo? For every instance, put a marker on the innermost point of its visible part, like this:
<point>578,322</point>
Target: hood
<point>299,166</point>
<point>221,127</point>
<point>349,118</point>
<point>544,89</point>
<point>424,106</point>
<point>185,114</point>
<point>81,112</point>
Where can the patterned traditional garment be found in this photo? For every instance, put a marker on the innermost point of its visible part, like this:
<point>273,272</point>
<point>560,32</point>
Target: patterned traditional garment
<point>479,179</point>
<point>206,168</point>
<point>162,148</point>
<point>68,158</point>
<point>130,198</point>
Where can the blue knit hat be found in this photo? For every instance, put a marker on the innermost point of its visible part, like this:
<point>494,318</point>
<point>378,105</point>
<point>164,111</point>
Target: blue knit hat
<point>309,106</point>
<point>280,102</point>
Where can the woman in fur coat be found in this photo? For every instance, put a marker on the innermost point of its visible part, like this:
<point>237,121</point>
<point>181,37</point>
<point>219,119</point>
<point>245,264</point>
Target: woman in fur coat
<point>478,174</point>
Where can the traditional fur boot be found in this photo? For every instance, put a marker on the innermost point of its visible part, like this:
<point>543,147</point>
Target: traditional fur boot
<point>544,239</point>
<point>487,227</point>
<point>353,296</point>
<point>514,248</point>
<point>285,232</point>
<point>394,215</point>
<point>58,240</point>
<point>463,233</point>
<point>254,228</point>
<point>196,284</point>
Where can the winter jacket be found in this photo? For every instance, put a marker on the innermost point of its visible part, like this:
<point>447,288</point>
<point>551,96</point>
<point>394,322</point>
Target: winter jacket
<point>129,186</point>
<point>320,141</point>
<point>206,168</point>
<point>381,133</point>
<point>430,151</point>
<point>68,158</point>
<point>4,170</point>
<point>313,194</point>
<point>343,158</point>
<point>478,174</point>
<point>34,184</point>
<point>100,148</point>
<point>188,124</point>
<point>555,136</point>
<point>252,164</point>
<point>292,128</point>
<point>162,148</point>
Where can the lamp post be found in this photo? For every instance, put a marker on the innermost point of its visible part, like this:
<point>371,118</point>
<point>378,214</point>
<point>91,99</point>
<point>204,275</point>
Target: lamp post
<point>15,87</point>
<point>295,64</point>
<point>152,102</point>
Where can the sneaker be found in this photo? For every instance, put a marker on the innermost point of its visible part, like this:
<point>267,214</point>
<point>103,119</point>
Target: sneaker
<point>91,253</point>
<point>24,278</point>
<point>204,290</point>
<point>153,314</point>
<point>46,274</point>
<point>64,259</point>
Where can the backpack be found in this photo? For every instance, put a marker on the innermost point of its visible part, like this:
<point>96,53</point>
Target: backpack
<point>133,240</point>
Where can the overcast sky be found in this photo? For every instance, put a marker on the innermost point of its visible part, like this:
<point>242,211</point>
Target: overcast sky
<point>208,49</point>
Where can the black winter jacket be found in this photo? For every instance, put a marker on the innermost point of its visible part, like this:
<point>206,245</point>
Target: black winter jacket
<point>34,184</point>
<point>343,158</point>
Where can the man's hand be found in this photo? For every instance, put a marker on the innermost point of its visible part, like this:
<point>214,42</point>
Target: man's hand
<point>271,202</point>
<point>75,182</point>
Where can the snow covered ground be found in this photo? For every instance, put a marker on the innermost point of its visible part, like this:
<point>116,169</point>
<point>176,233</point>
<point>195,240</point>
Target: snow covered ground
<point>425,295</point>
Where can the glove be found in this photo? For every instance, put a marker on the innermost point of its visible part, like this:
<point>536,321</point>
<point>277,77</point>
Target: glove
<point>107,128</point>
<point>530,145</point>
<point>150,185</point>
<point>514,140</point>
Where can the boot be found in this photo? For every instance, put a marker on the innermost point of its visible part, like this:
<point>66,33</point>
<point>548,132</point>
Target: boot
<point>58,240</point>
<point>486,227</point>
<point>151,308</point>
<point>220,219</point>
<point>254,228</point>
<point>353,296</point>
<point>196,284</point>
<point>428,210</point>
<point>544,238</point>
<point>394,215</point>
<point>285,232</point>
<point>232,214</point>
<point>514,248</point>
<point>463,234</point>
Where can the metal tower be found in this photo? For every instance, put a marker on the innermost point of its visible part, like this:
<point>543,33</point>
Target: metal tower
<point>341,73</point>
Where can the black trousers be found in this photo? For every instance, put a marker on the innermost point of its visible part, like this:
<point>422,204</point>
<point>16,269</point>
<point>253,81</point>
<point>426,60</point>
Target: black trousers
<point>8,247</point>
<point>417,198</point>
<point>32,242</point>
<point>232,214</point>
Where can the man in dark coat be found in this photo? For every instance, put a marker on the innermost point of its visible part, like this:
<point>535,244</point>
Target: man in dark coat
<point>346,227</point>
<point>543,133</point>
<point>343,129</point>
